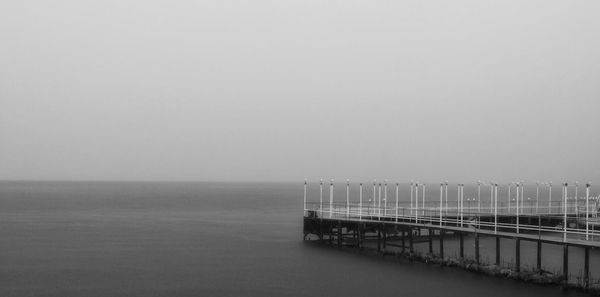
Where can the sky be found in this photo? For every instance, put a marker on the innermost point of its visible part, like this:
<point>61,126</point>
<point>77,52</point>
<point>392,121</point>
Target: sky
<point>235,90</point>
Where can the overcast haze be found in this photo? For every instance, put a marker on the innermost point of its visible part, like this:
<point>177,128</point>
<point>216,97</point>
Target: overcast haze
<point>283,90</point>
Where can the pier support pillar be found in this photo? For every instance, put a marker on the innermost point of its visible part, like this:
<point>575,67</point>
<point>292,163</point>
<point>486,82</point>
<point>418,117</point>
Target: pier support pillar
<point>321,230</point>
<point>539,255</point>
<point>517,254</point>
<point>403,239</point>
<point>410,240</point>
<point>586,269</point>
<point>566,263</point>
<point>385,236</point>
<point>339,235</point>
<point>462,245</point>
<point>430,240</point>
<point>497,251</point>
<point>442,244</point>
<point>379,239</point>
<point>330,232</point>
<point>477,248</point>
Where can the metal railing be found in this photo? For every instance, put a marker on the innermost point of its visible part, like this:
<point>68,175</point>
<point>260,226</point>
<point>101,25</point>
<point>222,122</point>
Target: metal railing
<point>578,227</point>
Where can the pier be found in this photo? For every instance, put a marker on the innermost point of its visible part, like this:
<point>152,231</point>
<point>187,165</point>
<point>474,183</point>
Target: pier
<point>392,224</point>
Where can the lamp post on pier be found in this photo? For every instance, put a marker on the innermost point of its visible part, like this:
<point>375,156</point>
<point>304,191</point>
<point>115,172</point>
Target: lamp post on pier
<point>385,198</point>
<point>441,201</point>
<point>331,198</point>
<point>522,195</point>
<point>411,196</point>
<point>379,203</point>
<point>550,197</point>
<point>460,191</point>
<point>360,193</point>
<point>446,190</point>
<point>509,186</point>
<point>374,197</point>
<point>517,203</point>
<point>479,196</point>
<point>396,202</point>
<point>458,201</point>
<point>416,202</point>
<point>491,197</point>
<point>565,211</point>
<point>495,208</point>
<point>305,184</point>
<point>321,198</point>
<point>537,197</point>
<point>423,205</point>
<point>576,197</point>
<point>347,198</point>
<point>587,210</point>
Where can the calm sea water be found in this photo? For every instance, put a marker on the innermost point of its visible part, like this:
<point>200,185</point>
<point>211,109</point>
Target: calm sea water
<point>196,239</point>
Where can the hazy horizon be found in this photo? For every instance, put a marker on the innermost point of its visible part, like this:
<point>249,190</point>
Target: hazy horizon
<point>287,90</point>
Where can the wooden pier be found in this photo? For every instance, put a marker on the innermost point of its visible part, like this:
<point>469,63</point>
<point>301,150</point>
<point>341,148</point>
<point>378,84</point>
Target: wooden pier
<point>400,227</point>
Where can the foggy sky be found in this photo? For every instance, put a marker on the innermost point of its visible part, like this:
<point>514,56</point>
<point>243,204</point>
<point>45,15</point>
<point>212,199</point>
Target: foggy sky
<point>282,90</point>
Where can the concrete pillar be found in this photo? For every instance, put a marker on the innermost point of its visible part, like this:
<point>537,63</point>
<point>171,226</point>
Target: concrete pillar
<point>410,240</point>
<point>384,238</point>
<point>442,244</point>
<point>497,250</point>
<point>586,269</point>
<point>430,231</point>
<point>339,236</point>
<point>379,239</point>
<point>462,245</point>
<point>477,248</point>
<point>566,263</point>
<point>539,255</point>
<point>517,254</point>
<point>403,240</point>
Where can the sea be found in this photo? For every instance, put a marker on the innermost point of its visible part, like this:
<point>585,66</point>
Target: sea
<point>198,239</point>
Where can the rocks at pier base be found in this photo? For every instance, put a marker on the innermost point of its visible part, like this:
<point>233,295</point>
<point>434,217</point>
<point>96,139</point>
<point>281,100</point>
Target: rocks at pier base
<point>536,277</point>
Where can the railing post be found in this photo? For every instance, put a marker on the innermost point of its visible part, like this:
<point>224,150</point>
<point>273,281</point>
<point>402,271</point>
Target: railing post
<point>360,203</point>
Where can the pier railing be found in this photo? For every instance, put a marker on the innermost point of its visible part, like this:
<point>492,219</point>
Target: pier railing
<point>502,218</point>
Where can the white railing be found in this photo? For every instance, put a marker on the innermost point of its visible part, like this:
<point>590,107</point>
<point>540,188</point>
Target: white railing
<point>579,227</point>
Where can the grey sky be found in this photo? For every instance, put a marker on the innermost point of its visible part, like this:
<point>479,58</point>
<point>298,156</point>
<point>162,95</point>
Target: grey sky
<point>282,90</point>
